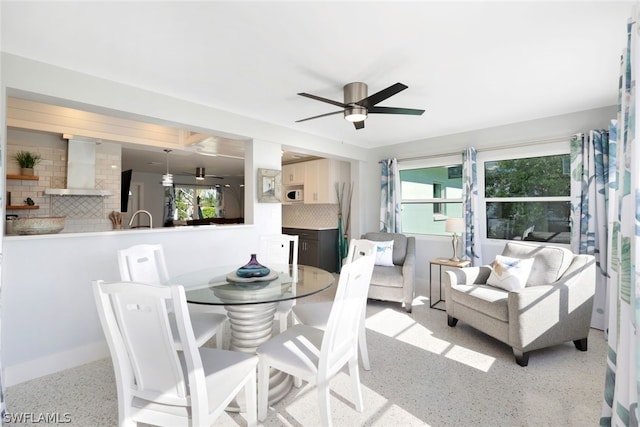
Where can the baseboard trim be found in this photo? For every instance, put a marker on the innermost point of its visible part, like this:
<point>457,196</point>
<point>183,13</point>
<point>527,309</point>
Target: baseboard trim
<point>37,368</point>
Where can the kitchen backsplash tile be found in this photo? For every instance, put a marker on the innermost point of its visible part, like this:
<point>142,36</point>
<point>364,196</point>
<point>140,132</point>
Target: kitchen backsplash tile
<point>310,216</point>
<point>83,213</point>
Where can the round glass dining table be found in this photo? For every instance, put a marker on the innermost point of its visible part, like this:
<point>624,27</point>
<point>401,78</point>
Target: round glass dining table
<point>251,305</point>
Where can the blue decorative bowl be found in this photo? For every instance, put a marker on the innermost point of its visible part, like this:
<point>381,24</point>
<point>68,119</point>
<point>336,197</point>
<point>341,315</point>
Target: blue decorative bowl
<point>252,269</point>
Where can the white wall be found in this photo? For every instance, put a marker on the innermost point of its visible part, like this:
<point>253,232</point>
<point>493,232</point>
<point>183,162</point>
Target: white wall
<point>266,216</point>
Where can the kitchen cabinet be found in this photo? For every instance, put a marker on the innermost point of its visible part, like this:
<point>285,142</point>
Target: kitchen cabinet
<point>308,252</point>
<point>318,248</point>
<point>317,178</point>
<point>318,182</point>
<point>293,174</point>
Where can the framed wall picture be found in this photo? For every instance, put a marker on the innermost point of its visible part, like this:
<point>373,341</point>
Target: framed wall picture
<point>269,186</point>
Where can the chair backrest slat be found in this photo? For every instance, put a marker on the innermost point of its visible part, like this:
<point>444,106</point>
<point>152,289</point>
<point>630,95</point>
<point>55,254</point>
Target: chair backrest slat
<point>359,248</point>
<point>341,334</point>
<point>143,263</point>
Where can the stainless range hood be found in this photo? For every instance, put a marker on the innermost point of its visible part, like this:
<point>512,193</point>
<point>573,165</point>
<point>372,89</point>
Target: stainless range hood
<point>81,170</point>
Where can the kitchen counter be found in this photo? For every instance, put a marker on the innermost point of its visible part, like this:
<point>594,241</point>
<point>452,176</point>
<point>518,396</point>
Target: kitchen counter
<point>310,228</point>
<point>126,231</point>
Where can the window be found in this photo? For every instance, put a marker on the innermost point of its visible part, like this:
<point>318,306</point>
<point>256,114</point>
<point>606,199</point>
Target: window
<point>438,193</point>
<point>194,203</point>
<point>528,198</point>
<point>430,194</point>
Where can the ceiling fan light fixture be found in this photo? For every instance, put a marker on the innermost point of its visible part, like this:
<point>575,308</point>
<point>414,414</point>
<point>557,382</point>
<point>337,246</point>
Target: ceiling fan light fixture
<point>355,114</point>
<point>200,174</point>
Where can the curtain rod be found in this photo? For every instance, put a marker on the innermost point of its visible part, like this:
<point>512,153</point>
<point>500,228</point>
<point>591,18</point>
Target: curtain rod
<point>498,147</point>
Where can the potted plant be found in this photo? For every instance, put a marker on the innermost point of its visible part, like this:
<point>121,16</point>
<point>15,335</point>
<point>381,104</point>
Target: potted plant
<point>27,161</point>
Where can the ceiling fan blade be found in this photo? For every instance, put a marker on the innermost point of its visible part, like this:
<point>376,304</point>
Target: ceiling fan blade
<point>377,97</point>
<point>359,125</point>
<point>328,101</point>
<point>394,110</point>
<point>321,115</point>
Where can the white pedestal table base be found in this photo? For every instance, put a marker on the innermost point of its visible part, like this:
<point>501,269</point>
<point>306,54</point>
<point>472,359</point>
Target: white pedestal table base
<point>251,326</point>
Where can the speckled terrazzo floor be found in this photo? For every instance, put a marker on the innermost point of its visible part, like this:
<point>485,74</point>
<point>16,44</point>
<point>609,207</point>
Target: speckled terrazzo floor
<point>423,373</point>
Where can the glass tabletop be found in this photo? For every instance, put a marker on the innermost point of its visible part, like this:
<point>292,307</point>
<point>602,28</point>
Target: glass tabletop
<point>212,286</point>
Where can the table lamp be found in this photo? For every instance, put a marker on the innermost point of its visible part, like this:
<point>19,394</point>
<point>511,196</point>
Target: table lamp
<point>455,226</point>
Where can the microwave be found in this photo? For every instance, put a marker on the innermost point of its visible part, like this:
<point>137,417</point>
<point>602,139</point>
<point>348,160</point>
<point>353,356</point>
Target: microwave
<point>294,195</point>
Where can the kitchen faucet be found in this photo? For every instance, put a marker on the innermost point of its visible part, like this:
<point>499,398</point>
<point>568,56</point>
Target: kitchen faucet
<point>133,217</point>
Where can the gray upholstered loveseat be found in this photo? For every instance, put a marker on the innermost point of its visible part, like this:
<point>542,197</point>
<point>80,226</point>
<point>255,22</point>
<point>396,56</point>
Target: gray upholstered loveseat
<point>554,307</point>
<point>395,283</point>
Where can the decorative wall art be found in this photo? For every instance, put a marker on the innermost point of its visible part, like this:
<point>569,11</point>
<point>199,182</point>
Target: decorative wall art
<point>269,186</point>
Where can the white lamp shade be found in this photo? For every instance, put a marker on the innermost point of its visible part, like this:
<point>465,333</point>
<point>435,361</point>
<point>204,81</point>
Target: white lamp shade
<point>355,114</point>
<point>167,180</point>
<point>356,117</point>
<point>454,225</point>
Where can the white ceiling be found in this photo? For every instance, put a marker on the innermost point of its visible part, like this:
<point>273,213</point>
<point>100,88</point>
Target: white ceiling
<point>470,65</point>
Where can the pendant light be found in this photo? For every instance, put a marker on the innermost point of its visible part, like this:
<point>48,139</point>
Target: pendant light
<point>167,180</point>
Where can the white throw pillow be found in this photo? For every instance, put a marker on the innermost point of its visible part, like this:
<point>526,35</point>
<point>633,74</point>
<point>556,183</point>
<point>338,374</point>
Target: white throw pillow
<point>510,273</point>
<point>384,253</point>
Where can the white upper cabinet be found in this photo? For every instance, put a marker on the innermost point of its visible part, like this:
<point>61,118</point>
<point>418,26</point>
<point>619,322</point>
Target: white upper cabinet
<point>293,174</point>
<point>318,182</point>
<point>317,178</point>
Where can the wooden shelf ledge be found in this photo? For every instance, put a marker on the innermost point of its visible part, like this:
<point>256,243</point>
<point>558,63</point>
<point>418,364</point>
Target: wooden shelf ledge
<point>24,177</point>
<point>22,207</point>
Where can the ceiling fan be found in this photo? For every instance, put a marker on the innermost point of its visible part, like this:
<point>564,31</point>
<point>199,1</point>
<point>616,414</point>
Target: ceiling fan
<point>200,174</point>
<point>357,105</point>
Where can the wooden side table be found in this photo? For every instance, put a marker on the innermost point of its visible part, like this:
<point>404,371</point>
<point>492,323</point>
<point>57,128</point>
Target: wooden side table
<point>440,262</point>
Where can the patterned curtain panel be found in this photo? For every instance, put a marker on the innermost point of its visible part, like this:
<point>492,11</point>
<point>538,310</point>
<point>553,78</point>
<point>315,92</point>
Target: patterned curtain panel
<point>471,206</point>
<point>622,379</point>
<point>590,183</point>
<point>390,197</point>
<point>3,406</point>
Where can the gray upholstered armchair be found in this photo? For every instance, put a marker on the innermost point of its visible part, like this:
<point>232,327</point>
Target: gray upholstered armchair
<point>554,306</point>
<point>395,283</point>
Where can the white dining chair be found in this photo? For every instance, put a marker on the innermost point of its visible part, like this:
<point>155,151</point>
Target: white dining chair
<point>316,314</point>
<point>146,263</point>
<point>316,356</point>
<point>278,252</point>
<point>157,383</point>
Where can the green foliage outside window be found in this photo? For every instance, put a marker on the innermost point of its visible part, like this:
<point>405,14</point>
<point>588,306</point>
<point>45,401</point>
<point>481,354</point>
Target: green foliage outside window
<point>535,179</point>
<point>530,177</point>
<point>187,201</point>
